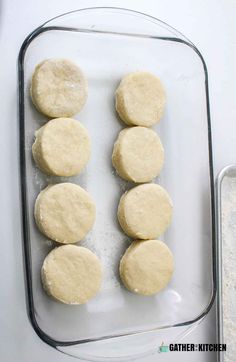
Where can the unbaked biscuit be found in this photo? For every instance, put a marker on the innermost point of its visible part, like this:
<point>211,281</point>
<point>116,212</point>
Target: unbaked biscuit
<point>64,212</point>
<point>140,99</point>
<point>145,211</point>
<point>138,154</point>
<point>71,274</point>
<point>62,147</point>
<point>58,88</point>
<point>146,267</point>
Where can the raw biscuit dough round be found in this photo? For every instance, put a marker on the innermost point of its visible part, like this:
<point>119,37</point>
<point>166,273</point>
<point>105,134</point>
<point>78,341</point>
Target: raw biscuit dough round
<point>64,212</point>
<point>62,147</point>
<point>71,274</point>
<point>140,99</point>
<point>58,88</point>
<point>138,154</point>
<point>145,211</point>
<point>146,267</point>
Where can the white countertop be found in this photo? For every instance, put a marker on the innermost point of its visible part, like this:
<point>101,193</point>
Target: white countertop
<point>211,26</point>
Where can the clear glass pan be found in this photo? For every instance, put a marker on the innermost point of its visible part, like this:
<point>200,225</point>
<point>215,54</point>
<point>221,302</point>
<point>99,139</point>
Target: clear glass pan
<point>108,43</point>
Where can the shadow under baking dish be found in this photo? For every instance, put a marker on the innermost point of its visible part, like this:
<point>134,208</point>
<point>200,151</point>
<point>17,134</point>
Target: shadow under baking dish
<point>108,43</point>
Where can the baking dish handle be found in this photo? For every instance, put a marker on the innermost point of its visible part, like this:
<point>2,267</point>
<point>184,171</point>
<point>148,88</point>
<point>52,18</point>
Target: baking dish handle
<point>129,348</point>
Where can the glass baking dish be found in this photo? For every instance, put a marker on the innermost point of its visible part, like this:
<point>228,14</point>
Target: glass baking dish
<point>108,43</point>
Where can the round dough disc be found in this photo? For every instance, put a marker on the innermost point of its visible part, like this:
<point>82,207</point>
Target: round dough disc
<point>138,154</point>
<point>146,267</point>
<point>62,147</point>
<point>58,88</point>
<point>71,274</point>
<point>140,99</point>
<point>145,211</point>
<point>64,212</point>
